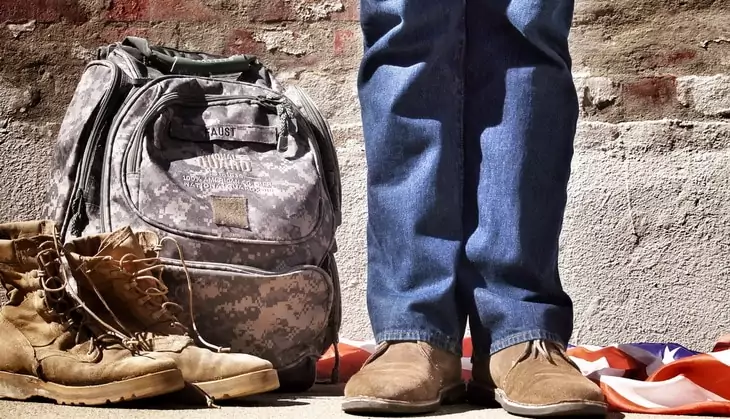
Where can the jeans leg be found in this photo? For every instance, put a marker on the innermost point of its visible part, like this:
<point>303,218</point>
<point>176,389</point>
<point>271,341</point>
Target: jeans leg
<point>520,118</point>
<point>410,88</point>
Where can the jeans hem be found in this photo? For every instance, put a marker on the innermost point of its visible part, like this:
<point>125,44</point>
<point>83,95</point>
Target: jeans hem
<point>521,337</point>
<point>436,339</point>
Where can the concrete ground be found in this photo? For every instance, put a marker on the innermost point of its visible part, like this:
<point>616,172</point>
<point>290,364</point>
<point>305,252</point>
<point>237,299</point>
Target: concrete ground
<point>323,402</point>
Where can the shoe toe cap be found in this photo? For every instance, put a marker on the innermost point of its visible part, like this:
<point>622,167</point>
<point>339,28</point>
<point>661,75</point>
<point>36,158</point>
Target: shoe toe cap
<point>554,390</point>
<point>402,386</point>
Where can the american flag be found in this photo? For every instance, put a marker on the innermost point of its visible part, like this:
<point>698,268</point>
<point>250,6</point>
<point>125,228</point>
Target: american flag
<point>653,378</point>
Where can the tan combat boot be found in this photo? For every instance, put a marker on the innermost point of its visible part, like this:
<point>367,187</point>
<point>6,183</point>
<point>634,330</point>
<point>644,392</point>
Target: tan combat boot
<point>121,267</point>
<point>535,379</point>
<point>48,345</point>
<point>405,378</point>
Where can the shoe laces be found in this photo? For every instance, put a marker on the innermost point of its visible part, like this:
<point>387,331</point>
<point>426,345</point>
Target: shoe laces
<point>153,291</point>
<point>73,313</point>
<point>548,350</point>
<point>541,348</point>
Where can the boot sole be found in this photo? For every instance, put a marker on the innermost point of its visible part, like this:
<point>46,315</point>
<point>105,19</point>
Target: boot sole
<point>23,387</point>
<point>482,395</point>
<point>374,405</point>
<point>242,385</point>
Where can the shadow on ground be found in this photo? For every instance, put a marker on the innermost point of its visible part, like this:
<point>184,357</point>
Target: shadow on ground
<point>331,392</point>
<point>191,399</point>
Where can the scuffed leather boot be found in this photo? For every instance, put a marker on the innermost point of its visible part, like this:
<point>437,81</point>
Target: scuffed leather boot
<point>48,346</point>
<point>405,378</point>
<point>121,267</point>
<point>535,379</point>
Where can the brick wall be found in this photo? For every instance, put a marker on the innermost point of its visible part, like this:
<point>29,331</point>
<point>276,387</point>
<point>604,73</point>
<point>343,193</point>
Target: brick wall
<point>645,246</point>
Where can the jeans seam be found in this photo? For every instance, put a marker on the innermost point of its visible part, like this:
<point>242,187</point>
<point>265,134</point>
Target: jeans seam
<point>521,337</point>
<point>434,338</point>
<point>461,114</point>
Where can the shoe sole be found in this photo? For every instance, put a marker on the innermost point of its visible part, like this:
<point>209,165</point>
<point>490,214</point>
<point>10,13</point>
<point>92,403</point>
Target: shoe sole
<point>374,405</point>
<point>242,385</point>
<point>484,396</point>
<point>23,387</point>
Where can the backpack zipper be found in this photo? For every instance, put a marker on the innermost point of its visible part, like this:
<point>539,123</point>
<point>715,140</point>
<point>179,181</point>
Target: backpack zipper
<point>312,114</point>
<point>77,219</point>
<point>242,269</point>
<point>133,156</point>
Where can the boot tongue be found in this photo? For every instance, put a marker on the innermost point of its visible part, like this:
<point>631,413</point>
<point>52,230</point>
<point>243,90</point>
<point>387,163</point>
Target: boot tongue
<point>121,243</point>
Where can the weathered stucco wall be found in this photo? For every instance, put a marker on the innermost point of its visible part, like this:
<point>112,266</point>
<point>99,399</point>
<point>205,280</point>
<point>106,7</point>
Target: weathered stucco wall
<point>646,244</point>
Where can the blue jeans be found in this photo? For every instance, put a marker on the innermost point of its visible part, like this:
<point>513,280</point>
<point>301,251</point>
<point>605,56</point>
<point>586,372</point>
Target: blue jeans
<point>469,114</point>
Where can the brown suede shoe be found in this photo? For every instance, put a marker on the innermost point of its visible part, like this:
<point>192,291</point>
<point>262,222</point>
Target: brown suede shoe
<point>405,378</point>
<point>535,379</point>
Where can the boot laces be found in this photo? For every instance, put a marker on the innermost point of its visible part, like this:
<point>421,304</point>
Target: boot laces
<point>57,299</point>
<point>154,291</point>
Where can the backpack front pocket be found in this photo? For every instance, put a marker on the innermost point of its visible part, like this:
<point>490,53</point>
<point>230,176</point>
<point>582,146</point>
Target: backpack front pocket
<point>231,167</point>
<point>282,317</point>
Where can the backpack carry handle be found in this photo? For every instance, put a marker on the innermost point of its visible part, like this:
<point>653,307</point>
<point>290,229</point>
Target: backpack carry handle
<point>174,61</point>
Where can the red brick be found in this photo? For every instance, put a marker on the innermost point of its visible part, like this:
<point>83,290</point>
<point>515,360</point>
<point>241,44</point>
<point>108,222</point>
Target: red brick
<point>655,90</point>
<point>128,10</point>
<point>241,41</point>
<point>671,58</point>
<point>649,98</point>
<point>41,10</point>
<point>343,38</point>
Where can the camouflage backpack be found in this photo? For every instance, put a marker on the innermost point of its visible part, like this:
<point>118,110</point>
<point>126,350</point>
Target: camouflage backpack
<point>240,170</point>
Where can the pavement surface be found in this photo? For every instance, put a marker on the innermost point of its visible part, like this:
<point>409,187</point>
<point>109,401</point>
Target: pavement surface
<point>322,402</point>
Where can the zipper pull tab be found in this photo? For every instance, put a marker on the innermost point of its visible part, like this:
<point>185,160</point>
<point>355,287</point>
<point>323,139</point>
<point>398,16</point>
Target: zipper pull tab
<point>286,123</point>
<point>79,220</point>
